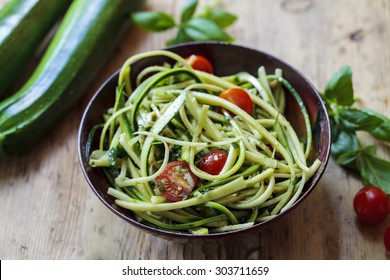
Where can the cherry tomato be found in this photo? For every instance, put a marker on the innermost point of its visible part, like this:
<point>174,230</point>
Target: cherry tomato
<point>371,205</point>
<point>386,239</point>
<point>240,98</point>
<point>213,162</point>
<point>200,63</point>
<point>176,181</point>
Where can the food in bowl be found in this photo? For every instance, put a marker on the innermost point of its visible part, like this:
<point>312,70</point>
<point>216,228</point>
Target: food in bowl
<point>186,150</point>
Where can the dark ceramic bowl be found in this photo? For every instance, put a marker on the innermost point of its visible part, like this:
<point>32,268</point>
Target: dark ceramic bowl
<point>226,59</point>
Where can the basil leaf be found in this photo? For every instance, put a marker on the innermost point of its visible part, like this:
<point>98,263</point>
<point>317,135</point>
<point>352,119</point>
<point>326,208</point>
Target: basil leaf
<point>381,131</point>
<point>221,18</point>
<point>188,10</point>
<point>181,37</point>
<point>375,171</point>
<point>348,160</point>
<point>355,119</point>
<point>339,88</point>
<point>346,141</point>
<point>335,129</point>
<point>201,29</point>
<point>370,150</point>
<point>153,21</point>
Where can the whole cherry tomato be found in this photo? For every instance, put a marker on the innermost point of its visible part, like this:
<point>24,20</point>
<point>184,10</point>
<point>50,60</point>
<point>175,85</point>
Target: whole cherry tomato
<point>238,97</point>
<point>213,162</point>
<point>177,181</point>
<point>386,239</point>
<point>200,63</point>
<point>371,205</point>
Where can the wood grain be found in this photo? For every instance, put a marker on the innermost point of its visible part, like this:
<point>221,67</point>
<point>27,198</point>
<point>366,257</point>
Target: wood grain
<point>49,212</point>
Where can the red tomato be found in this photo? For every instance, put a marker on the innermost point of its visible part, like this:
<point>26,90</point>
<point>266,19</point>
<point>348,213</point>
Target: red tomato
<point>371,205</point>
<point>213,162</point>
<point>176,181</point>
<point>200,63</point>
<point>386,239</point>
<point>240,98</point>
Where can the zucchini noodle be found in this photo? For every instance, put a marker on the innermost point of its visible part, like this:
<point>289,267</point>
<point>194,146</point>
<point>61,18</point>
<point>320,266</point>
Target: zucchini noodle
<point>174,113</point>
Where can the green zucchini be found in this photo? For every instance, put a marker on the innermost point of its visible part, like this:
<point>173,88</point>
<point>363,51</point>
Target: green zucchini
<point>23,26</point>
<point>82,43</point>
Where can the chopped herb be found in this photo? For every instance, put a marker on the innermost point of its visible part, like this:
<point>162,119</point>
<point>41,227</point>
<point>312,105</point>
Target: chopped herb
<point>161,186</point>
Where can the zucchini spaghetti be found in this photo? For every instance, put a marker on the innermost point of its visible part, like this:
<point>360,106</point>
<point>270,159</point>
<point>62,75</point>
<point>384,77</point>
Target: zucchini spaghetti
<point>186,150</point>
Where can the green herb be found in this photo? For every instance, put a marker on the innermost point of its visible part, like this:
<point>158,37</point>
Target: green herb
<point>208,25</point>
<point>346,120</point>
<point>160,186</point>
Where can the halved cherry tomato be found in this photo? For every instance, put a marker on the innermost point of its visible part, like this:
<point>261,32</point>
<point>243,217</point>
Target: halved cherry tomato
<point>200,63</point>
<point>386,239</point>
<point>213,161</point>
<point>240,98</point>
<point>371,205</point>
<point>176,181</point>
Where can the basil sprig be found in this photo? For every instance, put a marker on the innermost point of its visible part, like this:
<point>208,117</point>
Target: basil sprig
<point>346,121</point>
<point>208,25</point>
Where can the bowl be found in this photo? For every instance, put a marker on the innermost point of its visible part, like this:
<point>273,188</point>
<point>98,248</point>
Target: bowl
<point>227,59</point>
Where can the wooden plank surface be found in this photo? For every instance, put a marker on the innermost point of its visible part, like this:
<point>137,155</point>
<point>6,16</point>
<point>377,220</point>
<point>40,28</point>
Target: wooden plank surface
<point>47,210</point>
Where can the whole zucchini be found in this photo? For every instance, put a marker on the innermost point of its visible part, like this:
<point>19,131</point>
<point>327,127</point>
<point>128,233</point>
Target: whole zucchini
<point>23,26</point>
<point>85,38</point>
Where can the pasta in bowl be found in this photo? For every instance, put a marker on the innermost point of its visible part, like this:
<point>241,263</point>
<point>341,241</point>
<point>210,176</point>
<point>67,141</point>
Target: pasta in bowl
<point>193,146</point>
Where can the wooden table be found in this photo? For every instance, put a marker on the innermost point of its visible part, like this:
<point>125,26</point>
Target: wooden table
<point>49,212</point>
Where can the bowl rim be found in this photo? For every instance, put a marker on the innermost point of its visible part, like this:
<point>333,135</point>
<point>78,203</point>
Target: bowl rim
<point>230,234</point>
